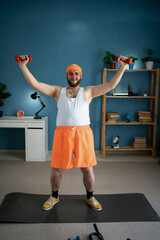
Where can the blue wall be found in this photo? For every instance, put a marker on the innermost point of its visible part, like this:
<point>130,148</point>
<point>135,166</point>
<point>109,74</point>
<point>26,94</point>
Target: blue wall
<point>59,33</point>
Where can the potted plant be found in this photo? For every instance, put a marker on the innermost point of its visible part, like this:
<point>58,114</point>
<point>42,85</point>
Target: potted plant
<point>156,60</point>
<point>148,60</point>
<point>3,96</point>
<point>109,60</point>
<point>131,66</point>
<point>130,89</point>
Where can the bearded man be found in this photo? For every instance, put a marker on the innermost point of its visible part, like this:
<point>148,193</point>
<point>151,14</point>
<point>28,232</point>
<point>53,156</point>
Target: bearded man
<point>73,143</point>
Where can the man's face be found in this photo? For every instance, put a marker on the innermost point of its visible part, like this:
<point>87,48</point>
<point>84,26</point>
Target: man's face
<point>74,78</point>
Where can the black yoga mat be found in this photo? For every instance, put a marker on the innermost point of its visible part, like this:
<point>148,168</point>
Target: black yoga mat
<point>27,208</point>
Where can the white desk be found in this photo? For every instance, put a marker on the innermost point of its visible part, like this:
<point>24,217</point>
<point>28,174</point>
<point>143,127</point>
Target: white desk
<point>36,135</point>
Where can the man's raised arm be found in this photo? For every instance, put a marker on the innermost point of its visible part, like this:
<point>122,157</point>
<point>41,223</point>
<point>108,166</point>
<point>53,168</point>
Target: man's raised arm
<point>49,90</point>
<point>108,86</point>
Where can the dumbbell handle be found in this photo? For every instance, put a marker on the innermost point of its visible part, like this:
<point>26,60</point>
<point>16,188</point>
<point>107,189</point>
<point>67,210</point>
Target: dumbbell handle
<point>128,60</point>
<point>18,58</point>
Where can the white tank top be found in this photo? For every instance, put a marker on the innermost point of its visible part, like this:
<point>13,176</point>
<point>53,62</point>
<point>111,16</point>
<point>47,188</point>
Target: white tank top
<point>72,111</point>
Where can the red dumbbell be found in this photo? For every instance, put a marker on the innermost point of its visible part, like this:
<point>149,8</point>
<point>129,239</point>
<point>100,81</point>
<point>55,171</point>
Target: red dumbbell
<point>18,58</point>
<point>128,60</point>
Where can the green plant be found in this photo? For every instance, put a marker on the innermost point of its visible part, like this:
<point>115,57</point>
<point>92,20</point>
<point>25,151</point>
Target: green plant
<point>156,60</point>
<point>133,59</point>
<point>148,58</point>
<point>109,57</point>
<point>3,95</point>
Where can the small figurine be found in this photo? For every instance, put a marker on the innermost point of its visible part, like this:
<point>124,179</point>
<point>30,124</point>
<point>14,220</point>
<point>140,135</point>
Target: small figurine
<point>116,142</point>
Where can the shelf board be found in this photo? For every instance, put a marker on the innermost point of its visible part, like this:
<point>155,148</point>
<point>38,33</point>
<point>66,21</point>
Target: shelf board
<point>127,148</point>
<point>129,123</point>
<point>133,70</point>
<point>131,97</point>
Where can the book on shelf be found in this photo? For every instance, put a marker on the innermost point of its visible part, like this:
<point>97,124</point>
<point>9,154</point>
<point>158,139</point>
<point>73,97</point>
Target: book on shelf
<point>144,113</point>
<point>140,140</point>
<point>145,120</point>
<point>111,121</point>
<point>139,143</point>
<point>112,116</point>
<point>120,94</point>
<point>144,116</point>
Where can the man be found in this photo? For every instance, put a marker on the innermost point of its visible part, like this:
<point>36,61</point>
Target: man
<point>73,136</point>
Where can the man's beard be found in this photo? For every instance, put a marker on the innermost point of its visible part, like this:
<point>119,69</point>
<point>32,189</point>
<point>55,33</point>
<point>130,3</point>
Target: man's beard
<point>73,84</point>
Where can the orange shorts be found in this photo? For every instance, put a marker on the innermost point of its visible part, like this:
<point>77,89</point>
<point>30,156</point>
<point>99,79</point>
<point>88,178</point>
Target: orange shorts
<point>69,141</point>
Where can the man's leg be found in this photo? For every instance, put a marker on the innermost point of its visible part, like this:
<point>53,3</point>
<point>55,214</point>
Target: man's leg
<point>89,183</point>
<point>55,180</point>
<point>88,178</point>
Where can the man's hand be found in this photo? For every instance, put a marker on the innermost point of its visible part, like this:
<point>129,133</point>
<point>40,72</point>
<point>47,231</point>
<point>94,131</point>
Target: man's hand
<point>121,62</point>
<point>24,61</point>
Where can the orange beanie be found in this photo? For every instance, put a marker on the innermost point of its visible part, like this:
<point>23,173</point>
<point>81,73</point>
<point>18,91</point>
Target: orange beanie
<point>74,67</point>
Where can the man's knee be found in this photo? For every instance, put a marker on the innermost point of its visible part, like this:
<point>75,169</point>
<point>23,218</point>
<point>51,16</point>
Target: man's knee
<point>87,170</point>
<point>57,171</point>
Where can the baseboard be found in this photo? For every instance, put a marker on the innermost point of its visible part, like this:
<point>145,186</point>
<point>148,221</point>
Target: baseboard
<point>8,154</point>
<point>10,151</point>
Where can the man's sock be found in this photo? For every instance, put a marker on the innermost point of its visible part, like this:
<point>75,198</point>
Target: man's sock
<point>89,194</point>
<point>55,194</point>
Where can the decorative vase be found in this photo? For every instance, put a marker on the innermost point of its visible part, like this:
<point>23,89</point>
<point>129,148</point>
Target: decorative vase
<point>149,65</point>
<point>130,93</point>
<point>131,66</point>
<point>1,113</point>
<point>112,65</point>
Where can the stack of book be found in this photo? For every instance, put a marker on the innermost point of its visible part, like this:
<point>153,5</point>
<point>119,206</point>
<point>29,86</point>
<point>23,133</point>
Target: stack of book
<point>139,143</point>
<point>144,116</point>
<point>112,117</point>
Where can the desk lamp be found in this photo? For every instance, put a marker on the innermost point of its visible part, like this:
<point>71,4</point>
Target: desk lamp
<point>34,96</point>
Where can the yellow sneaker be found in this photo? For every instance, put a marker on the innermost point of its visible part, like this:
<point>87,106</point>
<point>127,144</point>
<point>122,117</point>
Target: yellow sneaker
<point>50,203</point>
<point>94,203</point>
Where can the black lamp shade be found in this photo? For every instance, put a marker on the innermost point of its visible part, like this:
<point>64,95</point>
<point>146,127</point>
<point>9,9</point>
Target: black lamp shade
<point>34,95</point>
